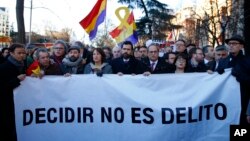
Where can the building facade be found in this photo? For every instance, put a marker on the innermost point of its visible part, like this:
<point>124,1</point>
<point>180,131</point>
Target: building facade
<point>210,21</point>
<point>4,22</point>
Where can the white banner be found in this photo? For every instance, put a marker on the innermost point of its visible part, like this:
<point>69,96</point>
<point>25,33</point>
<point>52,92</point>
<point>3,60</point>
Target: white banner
<point>172,107</point>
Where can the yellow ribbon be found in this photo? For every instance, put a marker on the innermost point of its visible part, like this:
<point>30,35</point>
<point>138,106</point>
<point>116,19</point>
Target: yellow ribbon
<point>127,29</point>
<point>124,19</point>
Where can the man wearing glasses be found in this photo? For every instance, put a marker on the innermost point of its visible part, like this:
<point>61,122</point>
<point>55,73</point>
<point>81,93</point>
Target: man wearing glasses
<point>235,46</point>
<point>235,60</point>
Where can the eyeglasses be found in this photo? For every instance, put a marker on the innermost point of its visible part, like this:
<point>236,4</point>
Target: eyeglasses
<point>181,60</point>
<point>233,43</point>
<point>58,48</point>
<point>180,45</point>
<point>153,52</point>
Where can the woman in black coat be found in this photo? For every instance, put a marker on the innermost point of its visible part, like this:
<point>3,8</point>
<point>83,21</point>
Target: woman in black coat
<point>11,73</point>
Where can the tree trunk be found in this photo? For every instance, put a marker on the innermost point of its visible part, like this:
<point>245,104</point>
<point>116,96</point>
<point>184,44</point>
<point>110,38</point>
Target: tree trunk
<point>20,21</point>
<point>146,13</point>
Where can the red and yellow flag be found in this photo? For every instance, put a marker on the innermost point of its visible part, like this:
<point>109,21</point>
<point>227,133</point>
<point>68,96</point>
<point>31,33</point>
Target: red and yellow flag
<point>34,68</point>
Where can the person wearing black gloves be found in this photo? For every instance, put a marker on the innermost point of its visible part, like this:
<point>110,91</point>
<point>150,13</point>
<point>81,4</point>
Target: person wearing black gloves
<point>242,73</point>
<point>234,61</point>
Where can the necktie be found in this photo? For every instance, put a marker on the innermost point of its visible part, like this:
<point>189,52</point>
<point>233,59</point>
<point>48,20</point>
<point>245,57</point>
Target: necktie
<point>152,66</point>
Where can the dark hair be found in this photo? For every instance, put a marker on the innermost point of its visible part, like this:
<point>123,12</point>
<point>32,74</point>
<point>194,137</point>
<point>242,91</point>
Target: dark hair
<point>191,45</point>
<point>30,46</point>
<point>3,49</point>
<point>16,45</point>
<point>205,48</point>
<point>143,47</point>
<point>191,52</point>
<point>183,56</point>
<point>78,43</point>
<point>155,44</point>
<point>181,41</point>
<point>166,55</point>
<point>45,50</point>
<point>107,48</point>
<point>137,48</point>
<point>99,50</point>
<point>221,48</point>
<point>127,43</point>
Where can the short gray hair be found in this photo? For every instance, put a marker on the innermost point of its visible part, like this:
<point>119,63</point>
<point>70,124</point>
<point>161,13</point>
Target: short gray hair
<point>41,50</point>
<point>63,43</point>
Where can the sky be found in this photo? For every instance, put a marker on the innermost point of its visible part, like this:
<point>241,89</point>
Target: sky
<point>58,14</point>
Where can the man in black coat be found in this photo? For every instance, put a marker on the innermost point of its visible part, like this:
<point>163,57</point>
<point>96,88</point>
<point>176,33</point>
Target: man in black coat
<point>234,61</point>
<point>127,64</point>
<point>11,73</point>
<point>242,73</point>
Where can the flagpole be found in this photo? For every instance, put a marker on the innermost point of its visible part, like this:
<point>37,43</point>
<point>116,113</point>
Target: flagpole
<point>105,26</point>
<point>105,21</point>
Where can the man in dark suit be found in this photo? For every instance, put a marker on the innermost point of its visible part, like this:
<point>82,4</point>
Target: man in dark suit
<point>12,71</point>
<point>221,52</point>
<point>127,64</point>
<point>155,64</point>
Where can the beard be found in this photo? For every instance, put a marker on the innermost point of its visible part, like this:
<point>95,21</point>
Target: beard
<point>126,56</point>
<point>73,58</point>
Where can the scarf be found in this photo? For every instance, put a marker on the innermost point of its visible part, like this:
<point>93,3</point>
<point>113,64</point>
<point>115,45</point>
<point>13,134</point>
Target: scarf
<point>19,65</point>
<point>95,68</point>
<point>58,59</point>
<point>67,62</point>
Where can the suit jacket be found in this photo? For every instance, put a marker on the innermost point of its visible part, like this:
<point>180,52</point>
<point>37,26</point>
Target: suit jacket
<point>132,66</point>
<point>211,65</point>
<point>161,66</point>
<point>201,67</point>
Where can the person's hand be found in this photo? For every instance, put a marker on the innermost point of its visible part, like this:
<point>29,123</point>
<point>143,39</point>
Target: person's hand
<point>67,74</point>
<point>84,61</point>
<point>40,75</point>
<point>21,77</point>
<point>210,72</point>
<point>120,73</point>
<point>220,71</point>
<point>99,73</point>
<point>248,119</point>
<point>147,73</point>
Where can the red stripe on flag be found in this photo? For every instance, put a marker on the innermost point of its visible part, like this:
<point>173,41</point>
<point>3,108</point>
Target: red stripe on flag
<point>131,18</point>
<point>93,13</point>
<point>115,32</point>
<point>33,66</point>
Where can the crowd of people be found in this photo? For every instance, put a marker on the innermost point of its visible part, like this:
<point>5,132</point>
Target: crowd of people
<point>18,61</point>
